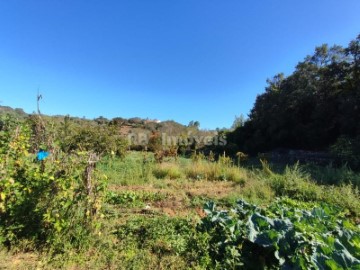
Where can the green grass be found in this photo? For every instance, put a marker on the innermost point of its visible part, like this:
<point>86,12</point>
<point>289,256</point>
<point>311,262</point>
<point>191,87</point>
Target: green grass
<point>133,198</point>
<point>134,169</point>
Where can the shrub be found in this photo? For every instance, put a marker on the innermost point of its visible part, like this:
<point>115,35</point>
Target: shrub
<point>347,150</point>
<point>101,139</point>
<point>49,203</point>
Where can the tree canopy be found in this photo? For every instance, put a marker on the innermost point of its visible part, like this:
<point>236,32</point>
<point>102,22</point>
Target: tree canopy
<point>311,108</point>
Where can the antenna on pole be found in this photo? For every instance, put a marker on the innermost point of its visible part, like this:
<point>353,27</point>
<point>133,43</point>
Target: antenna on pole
<point>40,132</point>
<point>38,98</point>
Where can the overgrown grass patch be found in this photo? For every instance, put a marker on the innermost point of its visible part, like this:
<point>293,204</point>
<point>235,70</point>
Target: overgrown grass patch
<point>297,184</point>
<point>214,171</point>
<point>167,170</point>
<point>330,175</point>
<point>135,168</point>
<point>167,241</point>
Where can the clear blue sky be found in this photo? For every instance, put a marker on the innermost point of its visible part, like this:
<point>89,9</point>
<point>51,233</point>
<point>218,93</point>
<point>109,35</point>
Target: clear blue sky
<point>184,60</point>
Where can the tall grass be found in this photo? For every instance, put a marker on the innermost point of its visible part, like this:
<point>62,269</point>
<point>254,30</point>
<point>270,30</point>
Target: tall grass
<point>215,171</point>
<point>331,175</point>
<point>167,170</point>
<point>295,183</point>
<point>200,169</point>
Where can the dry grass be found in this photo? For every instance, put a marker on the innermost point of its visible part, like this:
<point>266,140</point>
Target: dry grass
<point>19,261</point>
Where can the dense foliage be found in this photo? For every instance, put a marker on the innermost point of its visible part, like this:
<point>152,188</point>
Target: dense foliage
<point>52,202</point>
<point>309,109</point>
<point>285,235</point>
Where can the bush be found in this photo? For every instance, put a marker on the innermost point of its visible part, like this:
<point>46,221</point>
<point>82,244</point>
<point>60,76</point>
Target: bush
<point>49,203</point>
<point>101,139</point>
<point>347,150</point>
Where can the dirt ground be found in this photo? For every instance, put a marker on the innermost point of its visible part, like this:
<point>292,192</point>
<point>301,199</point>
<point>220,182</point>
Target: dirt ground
<point>20,261</point>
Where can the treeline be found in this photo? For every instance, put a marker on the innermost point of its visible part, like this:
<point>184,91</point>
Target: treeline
<point>108,136</point>
<point>315,108</point>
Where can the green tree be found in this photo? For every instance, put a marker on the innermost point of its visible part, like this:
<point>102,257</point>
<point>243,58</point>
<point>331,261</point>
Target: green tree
<point>238,122</point>
<point>309,109</point>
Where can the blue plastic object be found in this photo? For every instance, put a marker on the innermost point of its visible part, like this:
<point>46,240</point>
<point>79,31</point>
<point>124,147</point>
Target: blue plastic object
<point>41,155</point>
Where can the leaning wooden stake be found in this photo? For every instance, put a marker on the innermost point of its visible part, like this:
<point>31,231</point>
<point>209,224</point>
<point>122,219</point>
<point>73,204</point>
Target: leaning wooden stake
<point>93,159</point>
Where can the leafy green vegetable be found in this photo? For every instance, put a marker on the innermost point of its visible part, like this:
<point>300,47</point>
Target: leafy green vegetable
<point>281,236</point>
